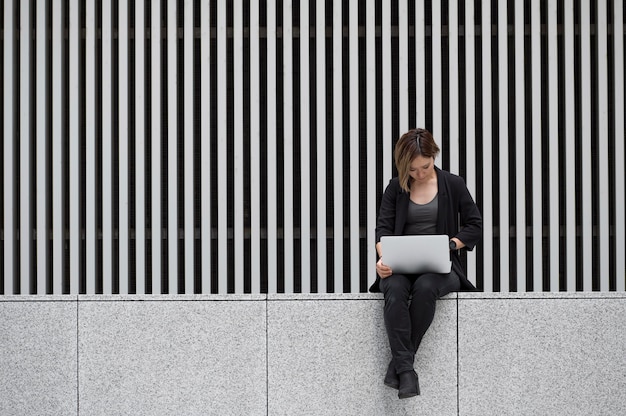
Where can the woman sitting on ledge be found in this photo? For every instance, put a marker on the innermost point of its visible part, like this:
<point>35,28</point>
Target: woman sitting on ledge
<point>423,199</point>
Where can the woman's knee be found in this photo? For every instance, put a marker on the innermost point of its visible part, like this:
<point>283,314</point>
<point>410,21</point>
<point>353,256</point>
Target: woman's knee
<point>428,281</point>
<point>435,285</point>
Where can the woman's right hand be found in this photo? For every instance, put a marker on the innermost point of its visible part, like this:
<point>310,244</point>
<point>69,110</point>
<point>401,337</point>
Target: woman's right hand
<point>382,269</point>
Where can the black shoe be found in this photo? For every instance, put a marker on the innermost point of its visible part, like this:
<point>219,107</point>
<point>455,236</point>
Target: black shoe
<point>409,384</point>
<point>391,378</point>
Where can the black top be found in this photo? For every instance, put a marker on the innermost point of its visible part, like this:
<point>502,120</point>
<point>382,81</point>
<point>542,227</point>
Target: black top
<point>458,216</point>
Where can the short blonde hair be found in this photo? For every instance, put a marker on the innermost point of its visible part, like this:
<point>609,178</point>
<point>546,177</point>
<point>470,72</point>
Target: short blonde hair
<point>413,143</point>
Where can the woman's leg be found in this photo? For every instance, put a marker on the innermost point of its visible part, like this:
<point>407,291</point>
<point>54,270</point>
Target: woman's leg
<point>397,290</point>
<point>425,292</point>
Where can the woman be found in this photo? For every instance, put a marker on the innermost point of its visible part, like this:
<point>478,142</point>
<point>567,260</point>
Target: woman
<point>422,199</point>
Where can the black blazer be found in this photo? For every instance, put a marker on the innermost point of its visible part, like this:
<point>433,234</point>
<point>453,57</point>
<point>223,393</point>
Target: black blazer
<point>457,216</point>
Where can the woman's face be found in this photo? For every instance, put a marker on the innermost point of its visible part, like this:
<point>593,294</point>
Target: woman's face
<point>422,168</point>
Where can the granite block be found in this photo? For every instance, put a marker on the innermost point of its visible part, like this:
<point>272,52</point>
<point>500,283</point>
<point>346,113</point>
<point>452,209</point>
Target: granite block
<point>329,357</point>
<point>542,356</point>
<point>325,296</point>
<point>174,297</point>
<point>172,357</point>
<point>540,295</point>
<point>38,357</point>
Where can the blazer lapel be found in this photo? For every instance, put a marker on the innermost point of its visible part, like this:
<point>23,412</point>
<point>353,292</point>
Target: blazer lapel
<point>402,207</point>
<point>443,205</point>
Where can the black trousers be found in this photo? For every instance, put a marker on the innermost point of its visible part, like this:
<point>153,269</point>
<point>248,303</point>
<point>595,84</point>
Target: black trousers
<point>409,310</point>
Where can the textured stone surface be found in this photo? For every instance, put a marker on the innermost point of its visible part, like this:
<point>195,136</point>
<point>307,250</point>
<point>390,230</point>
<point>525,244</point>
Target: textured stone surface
<point>38,356</point>
<point>519,354</point>
<point>329,357</point>
<point>171,357</point>
<point>542,356</point>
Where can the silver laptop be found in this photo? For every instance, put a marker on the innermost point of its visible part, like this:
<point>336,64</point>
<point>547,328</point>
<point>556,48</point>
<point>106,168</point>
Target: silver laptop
<point>416,254</point>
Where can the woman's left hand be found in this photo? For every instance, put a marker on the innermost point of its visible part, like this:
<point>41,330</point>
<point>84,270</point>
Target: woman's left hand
<point>382,269</point>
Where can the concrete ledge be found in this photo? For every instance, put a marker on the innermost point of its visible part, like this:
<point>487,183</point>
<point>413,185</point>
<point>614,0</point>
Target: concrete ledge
<point>542,354</point>
<point>486,353</point>
<point>328,355</point>
<point>38,356</point>
<point>172,357</point>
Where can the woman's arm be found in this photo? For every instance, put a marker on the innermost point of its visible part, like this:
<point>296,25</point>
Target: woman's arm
<point>470,219</point>
<point>385,225</point>
<point>379,249</point>
<point>382,269</point>
<point>459,243</point>
<point>386,219</point>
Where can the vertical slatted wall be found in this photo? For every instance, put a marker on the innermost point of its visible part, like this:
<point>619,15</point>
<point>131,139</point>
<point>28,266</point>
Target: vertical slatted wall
<point>242,147</point>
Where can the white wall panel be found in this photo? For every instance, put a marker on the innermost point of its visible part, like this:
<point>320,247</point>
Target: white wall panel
<point>537,173</point>
<point>503,147</point>
<point>453,86</point>
<point>272,220</point>
<point>487,174</point>
<point>41,162</point>
<point>288,139</point>
<point>91,232</point>
<point>74,143</point>
<point>122,105</point>
<point>570,148</point>
<point>238,139</point>
<point>386,86</point>
<point>9,143</point>
<point>420,67</point>
<point>155,160</point>
<point>140,146</point>
<point>372,186</point>
<point>585,150</point>
<point>107,150</point>
<point>403,64</point>
<point>305,146</point>
<point>553,148</point>
<point>470,116</point>
<point>24,235</point>
<point>355,155</point>
<point>620,137</point>
<point>255,156</point>
<point>603,144</point>
<point>520,149</point>
<point>57,147</point>
<point>337,147</point>
<point>172,147</point>
<point>189,138</point>
<point>437,74</point>
<point>320,56</point>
